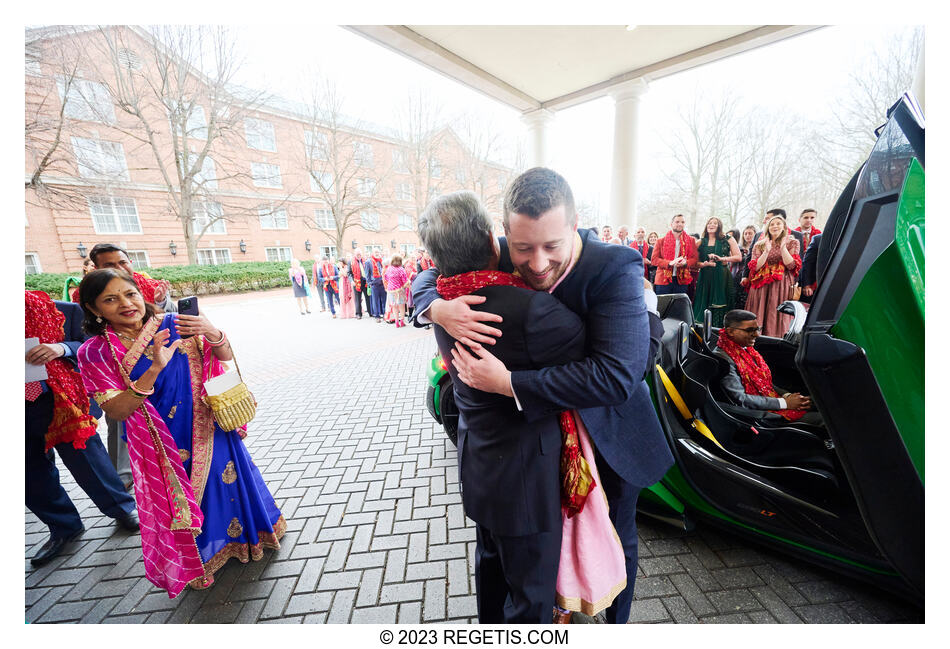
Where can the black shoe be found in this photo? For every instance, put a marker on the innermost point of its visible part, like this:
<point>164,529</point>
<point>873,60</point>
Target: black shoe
<point>129,522</point>
<point>53,548</point>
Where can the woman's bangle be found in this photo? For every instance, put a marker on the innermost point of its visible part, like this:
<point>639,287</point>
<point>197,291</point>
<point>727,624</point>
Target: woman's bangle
<point>220,341</point>
<point>139,392</point>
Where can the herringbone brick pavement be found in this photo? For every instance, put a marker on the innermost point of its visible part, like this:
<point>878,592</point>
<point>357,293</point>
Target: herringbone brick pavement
<point>376,532</point>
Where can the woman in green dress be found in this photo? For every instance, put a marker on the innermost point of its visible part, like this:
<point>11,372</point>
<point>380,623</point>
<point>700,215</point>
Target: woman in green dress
<point>714,288</point>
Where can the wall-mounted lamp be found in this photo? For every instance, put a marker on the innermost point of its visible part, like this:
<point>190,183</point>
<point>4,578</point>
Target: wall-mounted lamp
<point>242,246</point>
<point>172,248</point>
<point>354,244</point>
<point>82,250</point>
<point>306,244</point>
<point>392,244</point>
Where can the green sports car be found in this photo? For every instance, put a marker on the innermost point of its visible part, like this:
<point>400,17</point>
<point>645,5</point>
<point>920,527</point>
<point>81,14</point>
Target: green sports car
<point>849,496</point>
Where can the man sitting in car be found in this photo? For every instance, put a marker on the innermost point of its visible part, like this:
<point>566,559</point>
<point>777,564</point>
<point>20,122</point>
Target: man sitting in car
<point>749,379</point>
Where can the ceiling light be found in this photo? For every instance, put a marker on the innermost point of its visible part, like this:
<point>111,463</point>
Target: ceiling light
<point>630,28</point>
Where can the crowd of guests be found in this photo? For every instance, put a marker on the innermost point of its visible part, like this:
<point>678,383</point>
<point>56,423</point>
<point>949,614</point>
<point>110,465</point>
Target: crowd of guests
<point>722,270</point>
<point>349,287</point>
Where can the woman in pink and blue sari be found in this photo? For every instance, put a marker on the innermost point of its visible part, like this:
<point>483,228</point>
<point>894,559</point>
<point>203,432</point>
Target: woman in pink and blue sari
<point>201,499</point>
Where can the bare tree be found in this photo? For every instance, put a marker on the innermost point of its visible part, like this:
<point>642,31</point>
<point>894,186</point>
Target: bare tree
<point>775,155</point>
<point>422,130</point>
<point>343,170</point>
<point>479,169</point>
<point>179,102</point>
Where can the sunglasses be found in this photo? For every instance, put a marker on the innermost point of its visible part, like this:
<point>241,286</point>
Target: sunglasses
<point>748,330</point>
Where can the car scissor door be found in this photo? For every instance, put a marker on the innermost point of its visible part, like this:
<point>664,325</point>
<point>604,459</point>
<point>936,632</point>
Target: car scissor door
<point>862,349</point>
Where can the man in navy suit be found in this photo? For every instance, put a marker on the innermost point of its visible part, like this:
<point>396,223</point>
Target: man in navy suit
<point>508,466</point>
<point>604,287</point>
<point>91,466</point>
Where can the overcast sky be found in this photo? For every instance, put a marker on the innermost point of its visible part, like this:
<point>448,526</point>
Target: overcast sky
<point>803,74</point>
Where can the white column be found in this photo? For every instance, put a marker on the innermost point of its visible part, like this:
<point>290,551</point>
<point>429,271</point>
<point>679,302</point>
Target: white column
<point>623,177</point>
<point>538,124</point>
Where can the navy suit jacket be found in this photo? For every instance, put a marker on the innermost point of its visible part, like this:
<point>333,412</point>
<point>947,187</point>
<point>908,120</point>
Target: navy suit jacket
<point>508,465</point>
<point>605,289</point>
<point>368,273</point>
<point>810,263</point>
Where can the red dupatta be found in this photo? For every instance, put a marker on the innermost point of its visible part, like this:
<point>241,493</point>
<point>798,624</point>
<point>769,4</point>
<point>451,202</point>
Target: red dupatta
<point>667,247</point>
<point>329,270</point>
<point>773,270</point>
<point>576,478</point>
<point>755,373</point>
<point>71,420</point>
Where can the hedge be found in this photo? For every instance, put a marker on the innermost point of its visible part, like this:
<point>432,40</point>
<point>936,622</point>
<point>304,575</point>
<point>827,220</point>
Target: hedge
<point>191,280</point>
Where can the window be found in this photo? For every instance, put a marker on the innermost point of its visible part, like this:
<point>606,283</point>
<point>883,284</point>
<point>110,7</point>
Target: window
<point>366,187</point>
<point>139,259</point>
<point>86,100</point>
<point>100,159</point>
<point>433,193</point>
<point>129,59</point>
<point>196,124</point>
<point>273,219</point>
<point>316,145</point>
<point>278,254</point>
<point>33,57</point>
<point>213,256</point>
<point>33,264</point>
<point>501,182</point>
<point>406,249</point>
<point>404,192</point>
<point>363,154</point>
<point>460,176</point>
<point>399,162</point>
<point>369,220</point>
<point>324,219</point>
<point>405,222</point>
<point>435,168</point>
<point>114,215</point>
<point>207,176</point>
<point>259,134</point>
<point>329,251</point>
<point>209,213</point>
<point>321,181</point>
<point>265,175</point>
<point>370,249</point>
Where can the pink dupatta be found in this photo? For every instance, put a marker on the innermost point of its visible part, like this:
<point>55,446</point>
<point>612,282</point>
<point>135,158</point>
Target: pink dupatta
<point>167,501</point>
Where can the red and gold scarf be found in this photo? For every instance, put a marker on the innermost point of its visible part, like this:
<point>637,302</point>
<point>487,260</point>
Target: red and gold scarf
<point>668,249</point>
<point>774,269</point>
<point>71,420</point>
<point>643,249</point>
<point>576,479</point>
<point>377,266</point>
<point>424,263</point>
<point>807,236</point>
<point>755,373</point>
<point>329,270</point>
<point>146,287</point>
<point>357,267</point>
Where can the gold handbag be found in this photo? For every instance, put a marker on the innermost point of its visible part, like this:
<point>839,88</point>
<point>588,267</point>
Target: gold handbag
<point>235,406</point>
<point>795,292</point>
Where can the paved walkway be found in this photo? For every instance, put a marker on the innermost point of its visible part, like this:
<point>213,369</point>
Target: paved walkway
<point>376,533</point>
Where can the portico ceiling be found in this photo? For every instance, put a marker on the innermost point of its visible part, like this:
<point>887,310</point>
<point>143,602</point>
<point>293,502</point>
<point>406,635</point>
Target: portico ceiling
<point>553,67</point>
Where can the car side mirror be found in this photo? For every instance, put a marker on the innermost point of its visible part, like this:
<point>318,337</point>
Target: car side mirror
<point>799,314</point>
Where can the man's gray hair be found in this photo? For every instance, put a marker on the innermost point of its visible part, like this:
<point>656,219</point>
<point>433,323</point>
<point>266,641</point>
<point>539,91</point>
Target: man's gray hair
<point>457,233</point>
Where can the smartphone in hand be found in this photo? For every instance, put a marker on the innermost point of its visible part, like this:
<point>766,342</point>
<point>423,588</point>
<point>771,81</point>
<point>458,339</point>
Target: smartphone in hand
<point>188,306</point>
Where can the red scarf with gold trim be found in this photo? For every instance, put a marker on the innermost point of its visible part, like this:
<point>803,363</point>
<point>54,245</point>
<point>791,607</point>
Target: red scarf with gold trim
<point>377,267</point>
<point>755,373</point>
<point>146,287</point>
<point>71,420</point>
<point>357,268</point>
<point>329,270</point>
<point>668,249</point>
<point>576,479</point>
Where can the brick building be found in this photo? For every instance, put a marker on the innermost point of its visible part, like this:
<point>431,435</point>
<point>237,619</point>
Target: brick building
<point>109,112</point>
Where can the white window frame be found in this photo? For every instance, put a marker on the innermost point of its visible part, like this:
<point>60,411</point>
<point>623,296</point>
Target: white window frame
<point>274,215</point>
<point>33,61</point>
<point>366,187</point>
<point>406,249</point>
<point>404,192</point>
<point>366,220</point>
<point>371,248</point>
<point>35,262</point>
<point>111,201</point>
<point>405,221</point>
<point>323,218</point>
<point>461,176</point>
<point>329,251</point>
<point>400,166</point>
<point>326,176</point>
<point>134,253</point>
<point>197,124</point>
<point>435,167</point>
<point>264,174</point>
<point>201,217</point>
<point>214,253</point>
<point>87,101</point>
<point>206,177</point>
<point>280,253</point>
<point>363,154</point>
<point>316,145</point>
<point>104,151</point>
<point>259,134</point>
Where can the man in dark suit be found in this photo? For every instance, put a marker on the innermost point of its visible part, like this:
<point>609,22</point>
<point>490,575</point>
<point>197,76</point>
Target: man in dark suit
<point>809,275</point>
<point>90,466</point>
<point>508,467</point>
<point>771,214</point>
<point>603,285</point>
